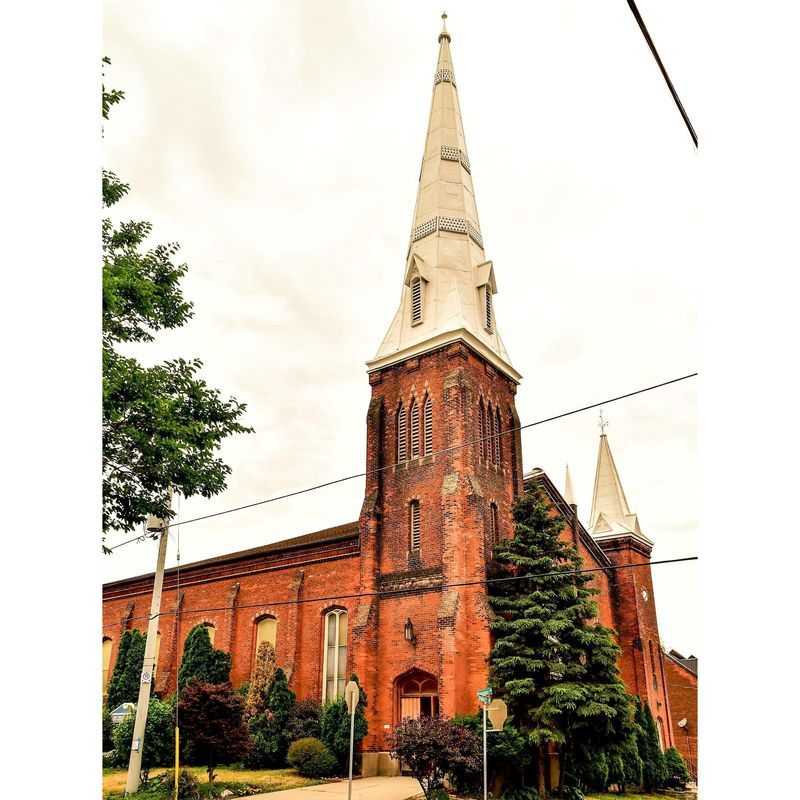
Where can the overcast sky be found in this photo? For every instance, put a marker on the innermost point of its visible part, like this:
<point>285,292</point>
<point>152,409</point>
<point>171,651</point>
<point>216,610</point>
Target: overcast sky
<point>280,143</point>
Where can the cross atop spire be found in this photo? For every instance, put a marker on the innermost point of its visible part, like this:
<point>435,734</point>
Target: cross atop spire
<point>448,285</point>
<point>603,423</point>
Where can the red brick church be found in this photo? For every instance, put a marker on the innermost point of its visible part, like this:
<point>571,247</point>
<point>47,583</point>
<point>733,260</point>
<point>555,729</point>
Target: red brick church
<point>394,596</point>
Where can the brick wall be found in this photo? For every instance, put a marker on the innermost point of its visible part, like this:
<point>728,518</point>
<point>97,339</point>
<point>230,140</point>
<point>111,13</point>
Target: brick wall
<point>682,686</point>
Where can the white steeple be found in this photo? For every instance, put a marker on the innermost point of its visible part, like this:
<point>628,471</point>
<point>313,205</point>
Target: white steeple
<point>569,492</point>
<point>448,284</point>
<point>611,516</point>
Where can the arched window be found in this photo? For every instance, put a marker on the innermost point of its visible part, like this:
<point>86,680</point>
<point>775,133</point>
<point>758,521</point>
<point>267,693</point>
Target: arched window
<point>481,430</point>
<point>494,532</point>
<point>497,451</point>
<point>334,664</point>
<point>427,426</point>
<point>413,415</point>
<point>418,694</point>
<point>402,435</point>
<point>487,433</point>
<point>414,536</point>
<point>416,300</point>
<point>107,644</point>
<point>661,741</point>
<point>212,631</point>
<point>266,631</point>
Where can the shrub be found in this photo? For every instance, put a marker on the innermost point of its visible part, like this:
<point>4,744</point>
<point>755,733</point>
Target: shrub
<point>269,728</point>
<point>304,720</point>
<point>677,775</point>
<point>212,723</point>
<point>335,727</point>
<point>108,729</point>
<point>159,737</point>
<point>527,793</point>
<point>188,788</point>
<point>311,758</point>
<point>432,748</point>
<point>201,661</point>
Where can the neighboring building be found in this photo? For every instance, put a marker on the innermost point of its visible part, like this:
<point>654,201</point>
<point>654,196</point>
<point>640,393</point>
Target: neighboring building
<point>682,687</point>
<point>403,607</point>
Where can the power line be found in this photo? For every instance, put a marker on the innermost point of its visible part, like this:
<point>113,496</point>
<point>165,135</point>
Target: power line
<point>335,481</point>
<point>414,590</point>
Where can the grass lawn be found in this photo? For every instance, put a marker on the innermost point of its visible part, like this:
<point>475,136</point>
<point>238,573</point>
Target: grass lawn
<point>631,795</point>
<point>268,780</point>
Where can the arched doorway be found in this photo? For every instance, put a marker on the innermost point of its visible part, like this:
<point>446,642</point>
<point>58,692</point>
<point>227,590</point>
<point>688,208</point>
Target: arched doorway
<point>417,695</point>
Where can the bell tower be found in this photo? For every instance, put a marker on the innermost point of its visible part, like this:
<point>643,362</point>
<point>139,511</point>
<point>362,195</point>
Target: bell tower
<point>441,475</point>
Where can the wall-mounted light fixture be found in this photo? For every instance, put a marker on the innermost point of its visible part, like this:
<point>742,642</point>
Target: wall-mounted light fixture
<point>408,632</point>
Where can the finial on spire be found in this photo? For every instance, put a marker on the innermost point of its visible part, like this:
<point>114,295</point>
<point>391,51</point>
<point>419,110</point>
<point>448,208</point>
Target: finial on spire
<point>603,423</point>
<point>444,34</point>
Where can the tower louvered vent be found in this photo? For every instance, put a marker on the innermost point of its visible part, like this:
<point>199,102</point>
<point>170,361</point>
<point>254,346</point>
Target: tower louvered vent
<point>416,300</point>
<point>414,414</point>
<point>414,526</point>
<point>402,435</point>
<point>489,309</point>
<point>427,420</point>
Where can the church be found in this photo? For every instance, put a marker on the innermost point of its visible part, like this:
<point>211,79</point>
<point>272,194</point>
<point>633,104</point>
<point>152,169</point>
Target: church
<point>395,596</point>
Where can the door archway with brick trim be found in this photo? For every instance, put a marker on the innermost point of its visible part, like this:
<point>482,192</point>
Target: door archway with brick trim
<point>416,695</point>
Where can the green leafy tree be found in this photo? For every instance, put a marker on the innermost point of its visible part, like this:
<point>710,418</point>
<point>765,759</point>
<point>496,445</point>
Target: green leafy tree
<point>676,773</point>
<point>201,661</point>
<point>263,675</point>
<point>159,737</point>
<point>552,662</point>
<point>269,728</point>
<point>304,720</point>
<point>123,687</point>
<point>335,726</point>
<point>162,425</point>
<point>212,725</point>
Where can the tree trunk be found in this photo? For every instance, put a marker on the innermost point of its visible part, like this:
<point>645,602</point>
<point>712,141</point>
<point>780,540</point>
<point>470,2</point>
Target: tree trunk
<point>540,780</point>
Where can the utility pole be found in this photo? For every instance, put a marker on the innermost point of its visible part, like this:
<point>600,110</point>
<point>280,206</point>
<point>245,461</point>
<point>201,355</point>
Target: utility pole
<point>148,665</point>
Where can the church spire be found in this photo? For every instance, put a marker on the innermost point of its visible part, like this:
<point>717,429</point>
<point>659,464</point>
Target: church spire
<point>449,285</point>
<point>611,515</point>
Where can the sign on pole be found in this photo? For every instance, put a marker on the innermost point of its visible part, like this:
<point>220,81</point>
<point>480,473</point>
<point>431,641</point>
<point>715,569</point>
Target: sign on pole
<point>485,695</point>
<point>498,713</point>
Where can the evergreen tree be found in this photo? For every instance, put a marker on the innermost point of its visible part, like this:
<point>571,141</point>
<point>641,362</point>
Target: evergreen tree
<point>263,675</point>
<point>677,775</point>
<point>269,729</point>
<point>552,662</point>
<point>124,684</point>
<point>653,765</point>
<point>201,661</point>
<point>335,726</point>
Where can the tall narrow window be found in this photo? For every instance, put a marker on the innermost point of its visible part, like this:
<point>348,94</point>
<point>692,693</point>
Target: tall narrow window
<point>497,441</point>
<point>334,666</point>
<point>494,432</point>
<point>487,433</point>
<point>488,306</point>
<point>481,426</point>
<point>427,419</point>
<point>416,300</point>
<point>414,424</point>
<point>414,526</point>
<point>494,534</point>
<point>653,664</point>
<point>402,435</point>
<point>106,658</point>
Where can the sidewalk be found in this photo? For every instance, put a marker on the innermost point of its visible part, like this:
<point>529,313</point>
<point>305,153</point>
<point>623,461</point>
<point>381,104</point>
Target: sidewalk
<point>363,789</point>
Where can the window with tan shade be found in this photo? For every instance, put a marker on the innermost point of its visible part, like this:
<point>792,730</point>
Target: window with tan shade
<point>266,631</point>
<point>334,664</point>
<point>106,659</point>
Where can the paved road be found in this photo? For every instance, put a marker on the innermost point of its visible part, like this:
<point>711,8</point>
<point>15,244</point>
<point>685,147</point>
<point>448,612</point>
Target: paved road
<point>363,789</point>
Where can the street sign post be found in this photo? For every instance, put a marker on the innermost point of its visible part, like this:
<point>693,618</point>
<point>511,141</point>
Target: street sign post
<point>497,712</point>
<point>351,697</point>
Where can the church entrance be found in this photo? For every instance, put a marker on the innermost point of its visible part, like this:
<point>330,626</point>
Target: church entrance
<point>417,695</point>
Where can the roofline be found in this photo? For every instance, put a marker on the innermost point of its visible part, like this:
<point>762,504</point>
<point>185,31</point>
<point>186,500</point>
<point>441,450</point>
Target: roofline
<point>439,341</point>
<point>281,546</point>
<point>679,663</point>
